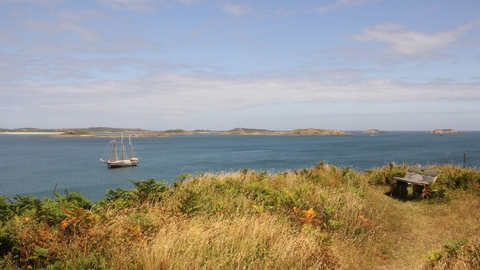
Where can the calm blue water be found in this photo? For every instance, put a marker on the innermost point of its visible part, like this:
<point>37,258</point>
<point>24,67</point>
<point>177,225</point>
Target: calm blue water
<point>34,165</point>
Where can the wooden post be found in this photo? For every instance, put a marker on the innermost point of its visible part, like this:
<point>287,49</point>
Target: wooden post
<point>54,190</point>
<point>400,190</point>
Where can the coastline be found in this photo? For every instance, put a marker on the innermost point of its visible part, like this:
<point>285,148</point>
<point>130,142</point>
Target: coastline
<point>30,133</point>
<point>137,133</point>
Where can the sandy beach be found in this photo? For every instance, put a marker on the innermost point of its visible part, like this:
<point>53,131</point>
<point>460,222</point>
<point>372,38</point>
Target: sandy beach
<point>30,133</point>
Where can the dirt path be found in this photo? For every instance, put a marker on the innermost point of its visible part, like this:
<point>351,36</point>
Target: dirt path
<point>430,226</point>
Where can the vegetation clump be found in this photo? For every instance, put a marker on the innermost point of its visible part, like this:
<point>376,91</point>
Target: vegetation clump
<point>176,132</point>
<point>373,131</point>
<point>249,131</point>
<point>446,131</point>
<point>323,217</point>
<point>319,132</point>
<point>296,132</point>
<point>76,132</point>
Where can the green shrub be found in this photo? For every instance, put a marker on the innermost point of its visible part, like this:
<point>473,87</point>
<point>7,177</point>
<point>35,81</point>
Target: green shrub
<point>384,176</point>
<point>455,177</point>
<point>6,211</point>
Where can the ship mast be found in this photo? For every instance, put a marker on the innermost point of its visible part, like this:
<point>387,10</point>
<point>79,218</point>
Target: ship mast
<point>114,147</point>
<point>130,146</point>
<point>123,149</point>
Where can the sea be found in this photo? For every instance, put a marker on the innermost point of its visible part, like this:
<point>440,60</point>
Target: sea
<point>39,165</point>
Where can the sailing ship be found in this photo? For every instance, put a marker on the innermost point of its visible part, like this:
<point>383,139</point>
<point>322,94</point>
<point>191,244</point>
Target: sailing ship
<point>114,161</point>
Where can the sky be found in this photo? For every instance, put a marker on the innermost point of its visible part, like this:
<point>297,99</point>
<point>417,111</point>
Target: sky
<point>221,64</point>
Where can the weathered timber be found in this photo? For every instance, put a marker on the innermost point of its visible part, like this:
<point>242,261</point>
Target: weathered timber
<point>418,177</point>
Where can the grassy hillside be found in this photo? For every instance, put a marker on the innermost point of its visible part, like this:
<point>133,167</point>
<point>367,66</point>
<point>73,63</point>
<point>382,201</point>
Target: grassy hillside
<point>319,132</point>
<point>322,217</point>
<point>177,132</point>
<point>79,132</point>
<point>249,131</point>
<point>73,130</point>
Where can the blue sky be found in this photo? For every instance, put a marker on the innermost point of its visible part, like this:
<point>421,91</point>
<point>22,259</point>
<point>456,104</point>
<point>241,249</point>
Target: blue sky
<point>214,64</point>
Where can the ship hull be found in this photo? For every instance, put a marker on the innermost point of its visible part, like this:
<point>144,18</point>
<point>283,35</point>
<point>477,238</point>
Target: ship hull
<point>122,163</point>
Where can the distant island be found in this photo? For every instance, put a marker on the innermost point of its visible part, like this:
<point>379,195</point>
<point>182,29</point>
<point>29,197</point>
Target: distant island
<point>249,131</point>
<point>72,131</point>
<point>318,132</point>
<point>76,133</point>
<point>373,131</point>
<point>446,131</point>
<point>296,132</point>
<point>143,133</point>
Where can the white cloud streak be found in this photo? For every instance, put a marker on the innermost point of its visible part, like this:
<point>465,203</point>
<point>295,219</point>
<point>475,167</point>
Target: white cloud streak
<point>236,9</point>
<point>339,4</point>
<point>401,41</point>
<point>183,94</point>
<point>141,6</point>
<point>188,2</point>
<point>35,2</point>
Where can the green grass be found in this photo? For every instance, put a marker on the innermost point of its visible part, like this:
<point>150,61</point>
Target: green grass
<point>324,217</point>
<point>175,131</point>
<point>76,132</point>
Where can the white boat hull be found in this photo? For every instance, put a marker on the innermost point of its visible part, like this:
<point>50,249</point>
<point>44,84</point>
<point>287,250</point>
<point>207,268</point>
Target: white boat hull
<point>123,163</point>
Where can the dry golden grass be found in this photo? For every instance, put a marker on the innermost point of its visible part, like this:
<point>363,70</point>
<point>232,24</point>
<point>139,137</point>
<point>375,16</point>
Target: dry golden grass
<point>260,242</point>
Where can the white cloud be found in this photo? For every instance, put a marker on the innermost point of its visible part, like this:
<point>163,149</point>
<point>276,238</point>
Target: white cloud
<point>35,2</point>
<point>327,8</point>
<point>133,5</point>
<point>72,35</point>
<point>236,9</point>
<point>186,94</point>
<point>340,4</point>
<point>143,6</point>
<point>82,15</point>
<point>84,33</point>
<point>408,42</point>
<point>200,101</point>
<point>188,1</point>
